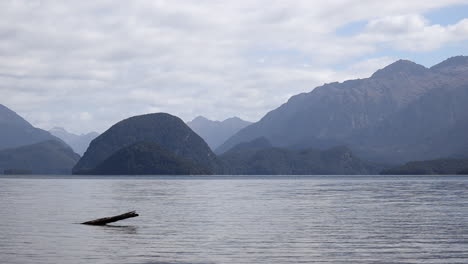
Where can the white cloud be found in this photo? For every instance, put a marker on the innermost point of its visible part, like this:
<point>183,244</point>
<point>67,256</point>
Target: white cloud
<point>114,59</point>
<point>85,116</point>
<point>397,24</point>
<point>413,33</point>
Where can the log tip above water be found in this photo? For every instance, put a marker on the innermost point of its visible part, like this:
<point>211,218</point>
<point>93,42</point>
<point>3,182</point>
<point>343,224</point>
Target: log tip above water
<point>107,220</point>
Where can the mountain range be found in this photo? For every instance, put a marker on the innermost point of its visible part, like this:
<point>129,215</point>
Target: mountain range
<point>401,113</point>
<point>216,132</point>
<point>162,144</point>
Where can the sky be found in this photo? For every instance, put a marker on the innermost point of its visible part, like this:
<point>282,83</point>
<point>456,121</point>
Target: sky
<point>84,65</point>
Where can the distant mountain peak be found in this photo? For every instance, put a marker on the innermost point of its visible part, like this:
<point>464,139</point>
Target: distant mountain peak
<point>216,132</point>
<point>452,63</point>
<point>200,119</point>
<point>234,119</point>
<point>203,119</point>
<point>399,67</point>
<point>79,143</point>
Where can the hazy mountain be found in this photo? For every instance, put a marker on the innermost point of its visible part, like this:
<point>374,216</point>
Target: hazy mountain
<point>79,143</point>
<point>461,154</point>
<point>167,131</point>
<point>402,112</point>
<point>254,145</point>
<point>216,132</point>
<point>47,157</point>
<point>146,158</point>
<point>434,126</point>
<point>431,167</point>
<point>15,131</point>
<point>259,158</point>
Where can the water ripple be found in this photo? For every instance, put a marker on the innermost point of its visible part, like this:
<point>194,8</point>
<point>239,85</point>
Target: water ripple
<point>228,220</point>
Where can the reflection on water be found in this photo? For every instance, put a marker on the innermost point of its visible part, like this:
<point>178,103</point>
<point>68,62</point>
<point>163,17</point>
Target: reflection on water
<point>130,230</point>
<point>245,220</point>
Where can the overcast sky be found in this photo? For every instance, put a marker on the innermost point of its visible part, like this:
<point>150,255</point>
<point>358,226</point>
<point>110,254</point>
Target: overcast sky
<point>85,65</point>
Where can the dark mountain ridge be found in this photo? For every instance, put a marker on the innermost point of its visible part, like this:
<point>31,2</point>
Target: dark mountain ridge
<point>167,131</point>
<point>146,158</point>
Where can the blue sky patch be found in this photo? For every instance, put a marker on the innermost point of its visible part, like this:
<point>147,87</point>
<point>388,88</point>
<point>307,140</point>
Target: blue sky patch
<point>448,15</point>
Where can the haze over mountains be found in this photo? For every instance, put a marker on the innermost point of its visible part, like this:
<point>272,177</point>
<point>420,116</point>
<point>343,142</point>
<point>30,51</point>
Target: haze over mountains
<point>16,132</point>
<point>403,112</point>
<point>30,150</point>
<point>79,143</point>
<point>216,132</point>
<point>46,157</point>
<point>162,144</point>
<point>259,157</point>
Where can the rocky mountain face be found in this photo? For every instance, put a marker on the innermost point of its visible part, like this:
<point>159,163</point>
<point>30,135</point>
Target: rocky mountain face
<point>258,157</point>
<point>79,143</point>
<point>167,131</point>
<point>47,157</point>
<point>402,112</point>
<point>146,158</point>
<point>15,131</point>
<point>216,132</point>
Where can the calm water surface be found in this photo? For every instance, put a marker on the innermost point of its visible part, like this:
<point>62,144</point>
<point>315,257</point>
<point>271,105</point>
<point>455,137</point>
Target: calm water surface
<point>244,220</point>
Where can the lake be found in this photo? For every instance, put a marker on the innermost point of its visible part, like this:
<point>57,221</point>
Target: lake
<point>235,220</point>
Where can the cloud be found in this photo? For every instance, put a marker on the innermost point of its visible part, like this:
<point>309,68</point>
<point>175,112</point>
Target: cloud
<point>85,116</point>
<point>397,24</point>
<point>413,33</point>
<point>114,59</point>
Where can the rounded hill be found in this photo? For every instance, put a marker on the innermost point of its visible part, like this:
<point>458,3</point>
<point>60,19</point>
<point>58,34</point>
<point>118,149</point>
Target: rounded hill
<point>167,131</point>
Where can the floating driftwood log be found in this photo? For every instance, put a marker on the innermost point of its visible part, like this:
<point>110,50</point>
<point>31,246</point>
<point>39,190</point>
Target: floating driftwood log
<point>107,220</point>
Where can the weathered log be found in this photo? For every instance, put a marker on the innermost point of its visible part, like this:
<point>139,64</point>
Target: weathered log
<point>106,220</point>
